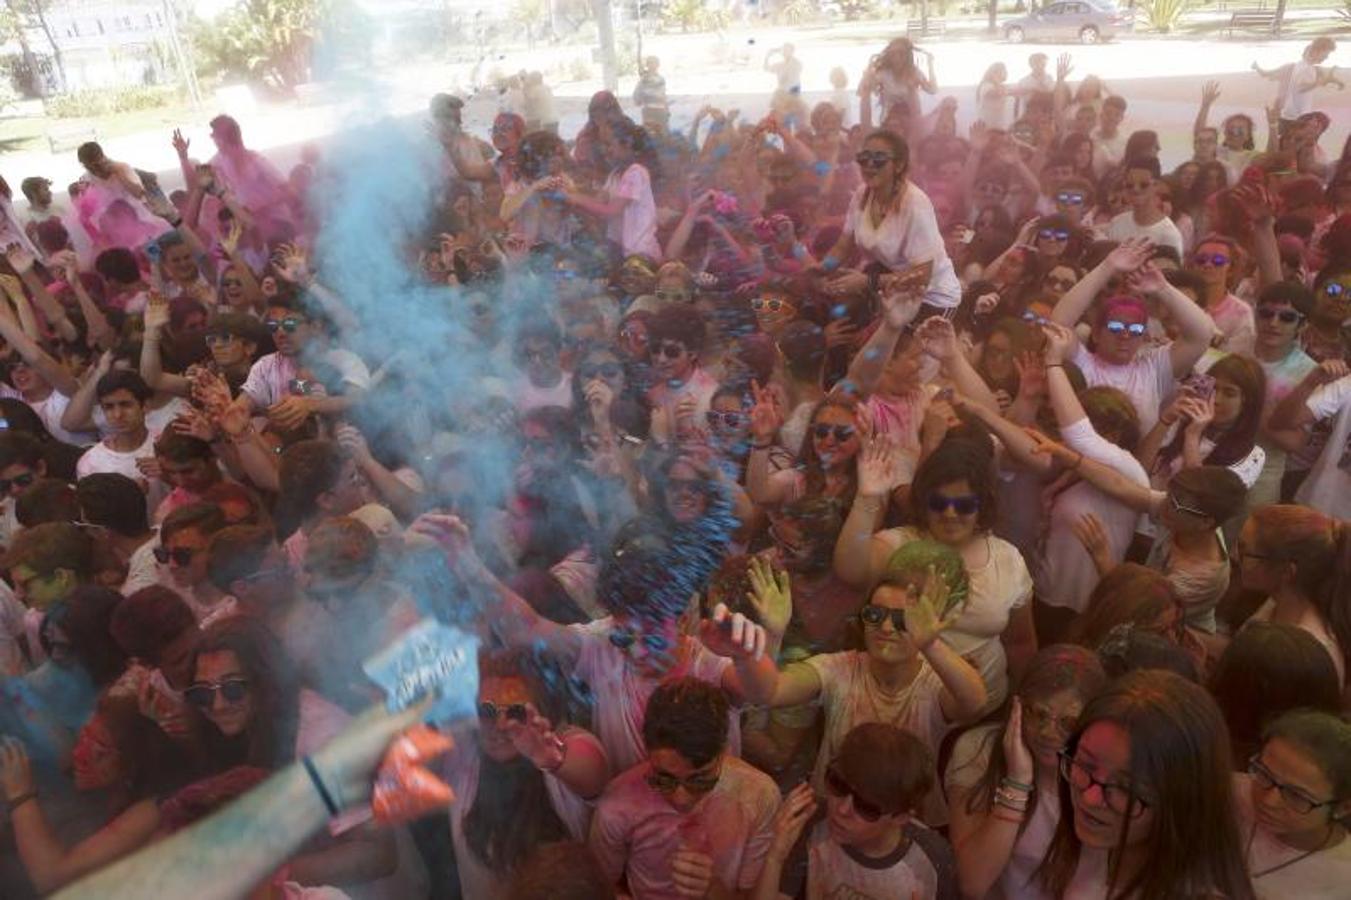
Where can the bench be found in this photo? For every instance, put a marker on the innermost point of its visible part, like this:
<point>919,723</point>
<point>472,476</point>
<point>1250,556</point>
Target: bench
<point>61,140</point>
<point>1252,20</point>
<point>921,28</point>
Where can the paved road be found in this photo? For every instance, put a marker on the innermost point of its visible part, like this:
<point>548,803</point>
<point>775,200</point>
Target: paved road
<point>1160,77</point>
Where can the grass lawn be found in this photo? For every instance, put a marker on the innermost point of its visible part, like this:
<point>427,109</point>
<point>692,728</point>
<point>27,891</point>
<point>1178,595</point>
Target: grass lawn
<point>28,131</point>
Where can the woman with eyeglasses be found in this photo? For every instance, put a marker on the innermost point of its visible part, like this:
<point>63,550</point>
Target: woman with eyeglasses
<point>524,778</point>
<point>1293,804</point>
<point>1146,804</point>
<point>1301,559</point>
<point>952,503</point>
<point>1002,779</point>
<point>901,674</point>
<point>892,222</point>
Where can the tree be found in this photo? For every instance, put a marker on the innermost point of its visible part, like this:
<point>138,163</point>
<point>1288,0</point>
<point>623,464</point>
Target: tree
<point>273,41</point>
<point>24,14</point>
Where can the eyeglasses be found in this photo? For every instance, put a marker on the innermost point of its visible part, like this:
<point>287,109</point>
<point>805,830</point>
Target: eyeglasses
<point>842,433</point>
<point>1070,199</point>
<point>1211,259</point>
<point>1291,796</point>
<point>965,505</point>
<point>216,340</point>
<point>606,370</point>
<point>699,783</point>
<point>1060,284</point>
<point>731,419</point>
<point>231,690</point>
<point>19,481</point>
<point>1179,506</point>
<point>1333,289</point>
<point>773,304</point>
<point>288,325</point>
<point>669,350</point>
<point>626,639</point>
<point>181,556</point>
<point>633,334</point>
<point>488,711</point>
<point>1135,329</point>
<point>872,159</point>
<point>1053,234</point>
<point>1119,798</point>
<point>1288,316</point>
<point>872,616</point>
<point>1037,716</point>
<point>1030,316</point>
<point>838,786</point>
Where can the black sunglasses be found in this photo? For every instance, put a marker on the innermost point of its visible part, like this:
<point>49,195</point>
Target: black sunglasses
<point>731,419</point>
<point>607,371</point>
<point>773,304</point>
<point>866,809</point>
<point>965,505</point>
<point>180,555</point>
<point>873,616</point>
<point>1213,259</point>
<point>1071,199</point>
<point>288,325</point>
<point>872,159</point>
<point>625,639</point>
<point>488,711</point>
<point>1288,316</point>
<point>1053,234</point>
<point>666,783</point>
<point>669,349</point>
<point>22,481</point>
<point>821,431</point>
<point>203,695</point>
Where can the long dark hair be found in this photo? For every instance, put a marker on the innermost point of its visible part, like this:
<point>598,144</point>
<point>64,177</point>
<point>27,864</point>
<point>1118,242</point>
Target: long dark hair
<point>900,150</point>
<point>512,813</point>
<point>269,740</point>
<point>1236,441</point>
<point>1179,752</point>
<point>84,617</point>
<point>1055,668</point>
<point>811,463</point>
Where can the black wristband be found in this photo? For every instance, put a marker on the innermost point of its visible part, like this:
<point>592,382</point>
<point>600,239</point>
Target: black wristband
<point>319,786</point>
<point>22,799</point>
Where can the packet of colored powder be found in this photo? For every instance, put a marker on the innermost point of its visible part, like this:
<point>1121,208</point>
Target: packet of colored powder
<point>430,660</point>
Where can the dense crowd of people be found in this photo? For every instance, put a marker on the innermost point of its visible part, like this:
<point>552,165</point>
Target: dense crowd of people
<point>845,506</point>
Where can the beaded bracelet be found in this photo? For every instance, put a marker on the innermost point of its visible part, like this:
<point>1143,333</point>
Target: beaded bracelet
<point>1016,785</point>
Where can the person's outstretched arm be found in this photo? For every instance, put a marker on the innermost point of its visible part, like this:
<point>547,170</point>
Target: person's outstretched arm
<point>1129,256</point>
<point>871,360</point>
<point>233,851</point>
<point>1210,92</point>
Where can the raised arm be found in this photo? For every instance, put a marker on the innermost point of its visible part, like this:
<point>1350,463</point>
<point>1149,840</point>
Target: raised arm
<point>1293,411</point>
<point>79,413</point>
<point>1195,324</point>
<point>963,693</point>
<point>1074,305</point>
<point>22,263</point>
<point>152,367</point>
<point>855,558</point>
<point>57,375</point>
<point>868,364</point>
<point>766,420</point>
<point>939,340</point>
<point>1210,92</point>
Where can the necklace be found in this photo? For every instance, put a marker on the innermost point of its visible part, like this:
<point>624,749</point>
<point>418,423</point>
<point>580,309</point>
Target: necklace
<point>1332,832</point>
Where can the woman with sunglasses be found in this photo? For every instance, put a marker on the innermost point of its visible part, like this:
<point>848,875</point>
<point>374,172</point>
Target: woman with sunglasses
<point>520,780</point>
<point>1003,778</point>
<point>249,710</point>
<point>1220,263</point>
<point>1301,559</point>
<point>891,222</point>
<point>1292,807</point>
<point>952,502</point>
<point>1146,804</point>
<point>901,674</point>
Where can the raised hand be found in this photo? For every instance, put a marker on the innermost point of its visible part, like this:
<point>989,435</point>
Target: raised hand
<point>1063,68</point>
<point>350,438</point>
<point>291,264</point>
<point>732,634</point>
<point>1031,375</point>
<point>1210,92</point>
<point>16,775</point>
<point>877,461</point>
<point>196,424</point>
<point>766,417</point>
<point>1016,755</point>
<point>928,617</point>
<point>1148,279</point>
<point>230,242</point>
<point>1059,343</point>
<point>1200,413</point>
<point>156,312</point>
<point>1255,200</point>
<point>20,260</point>
<point>290,412</point>
<point>181,144</point>
<point>840,333</point>
<point>771,595</point>
<point>987,303</point>
<point>900,308</point>
<point>1330,370</point>
<point>938,338</point>
<point>535,739</point>
<point>793,814</point>
<point>1130,254</point>
<point>65,261</point>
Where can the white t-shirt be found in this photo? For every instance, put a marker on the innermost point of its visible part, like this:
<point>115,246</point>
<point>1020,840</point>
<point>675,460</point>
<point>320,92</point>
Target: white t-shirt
<point>1296,102</point>
<point>1328,487</point>
<point>635,831</point>
<point>142,568</point>
<point>998,586</point>
<point>851,696</point>
<point>622,692</point>
<point>1325,875</point>
<point>526,396</point>
<point>636,229</point>
<point>835,871</point>
<point>270,377</point>
<point>908,235</point>
<point>50,412</point>
<point>1147,379</point>
<point>992,105</point>
<point>1236,322</point>
<point>1162,232</point>
<point>102,458</point>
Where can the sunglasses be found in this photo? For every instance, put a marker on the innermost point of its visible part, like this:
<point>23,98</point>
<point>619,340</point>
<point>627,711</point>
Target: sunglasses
<point>866,809</point>
<point>665,783</point>
<point>288,325</point>
<point>488,711</point>
<point>773,304</point>
<point>1070,199</point>
<point>217,340</point>
<point>21,481</point>
<point>203,695</point>
<point>1333,289</point>
<point>607,371</point>
<point>1053,234</point>
<point>669,350</point>
<point>633,334</point>
<point>181,556</point>
<point>1030,316</point>
<point>725,419</point>
<point>1134,329</point>
<point>1062,284</point>
<point>965,505</point>
<point>872,616</point>
<point>1211,259</point>
<point>626,639</point>
<point>872,159</point>
<point>842,433</point>
<point>1288,316</point>
<point>672,296</point>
